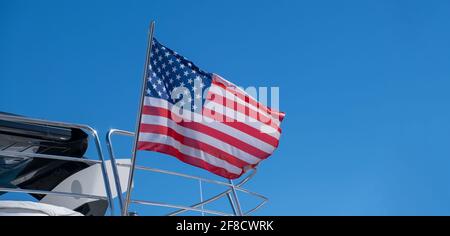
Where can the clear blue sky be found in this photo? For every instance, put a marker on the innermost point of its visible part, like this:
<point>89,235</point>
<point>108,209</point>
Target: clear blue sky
<point>365,86</point>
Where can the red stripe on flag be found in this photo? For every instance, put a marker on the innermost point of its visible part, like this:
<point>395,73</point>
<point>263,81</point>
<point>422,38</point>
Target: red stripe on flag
<point>164,130</point>
<point>218,99</point>
<point>244,97</point>
<point>242,127</point>
<point>167,149</point>
<point>157,111</point>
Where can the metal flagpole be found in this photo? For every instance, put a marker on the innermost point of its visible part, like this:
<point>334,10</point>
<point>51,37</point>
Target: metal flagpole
<point>238,205</point>
<point>138,119</point>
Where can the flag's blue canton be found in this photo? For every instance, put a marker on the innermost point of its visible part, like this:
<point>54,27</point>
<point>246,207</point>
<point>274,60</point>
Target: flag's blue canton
<point>169,70</point>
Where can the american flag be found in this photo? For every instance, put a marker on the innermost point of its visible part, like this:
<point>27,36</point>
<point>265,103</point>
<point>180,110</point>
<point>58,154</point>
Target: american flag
<point>202,119</point>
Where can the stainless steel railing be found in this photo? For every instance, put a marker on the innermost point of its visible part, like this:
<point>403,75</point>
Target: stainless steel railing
<point>198,207</point>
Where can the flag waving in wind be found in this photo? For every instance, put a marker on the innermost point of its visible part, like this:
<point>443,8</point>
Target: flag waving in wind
<point>202,119</point>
